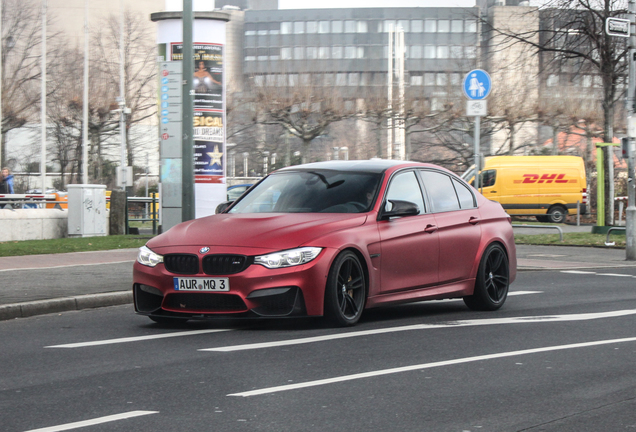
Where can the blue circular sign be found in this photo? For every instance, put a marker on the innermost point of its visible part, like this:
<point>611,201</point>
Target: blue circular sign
<point>477,84</point>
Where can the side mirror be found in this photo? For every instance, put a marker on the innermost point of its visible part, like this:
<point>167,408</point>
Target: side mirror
<point>223,206</point>
<point>400,208</point>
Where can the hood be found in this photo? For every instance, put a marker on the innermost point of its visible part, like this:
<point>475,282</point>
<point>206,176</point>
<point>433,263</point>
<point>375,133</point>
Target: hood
<point>271,231</point>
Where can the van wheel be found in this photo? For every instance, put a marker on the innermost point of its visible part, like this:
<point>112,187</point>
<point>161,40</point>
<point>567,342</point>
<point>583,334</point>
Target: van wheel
<point>557,214</point>
<point>542,218</point>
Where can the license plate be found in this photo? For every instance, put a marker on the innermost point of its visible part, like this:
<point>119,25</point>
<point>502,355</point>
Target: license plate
<point>201,284</point>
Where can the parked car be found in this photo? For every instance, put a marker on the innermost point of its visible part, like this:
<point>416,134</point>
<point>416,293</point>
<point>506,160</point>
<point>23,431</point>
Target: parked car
<point>235,191</point>
<point>331,239</point>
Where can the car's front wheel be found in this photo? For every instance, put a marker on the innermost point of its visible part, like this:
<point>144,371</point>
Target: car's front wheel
<point>493,280</point>
<point>345,293</point>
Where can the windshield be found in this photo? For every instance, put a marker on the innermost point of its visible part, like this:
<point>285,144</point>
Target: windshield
<point>311,192</point>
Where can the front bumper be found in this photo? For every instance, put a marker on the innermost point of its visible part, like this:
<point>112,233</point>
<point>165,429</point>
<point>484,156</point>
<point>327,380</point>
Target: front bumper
<point>255,292</point>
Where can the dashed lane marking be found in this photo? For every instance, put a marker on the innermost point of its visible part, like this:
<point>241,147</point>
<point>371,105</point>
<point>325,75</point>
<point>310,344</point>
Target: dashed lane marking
<point>95,421</point>
<point>136,339</point>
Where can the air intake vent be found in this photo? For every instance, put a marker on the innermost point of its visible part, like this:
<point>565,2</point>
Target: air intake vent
<point>182,264</point>
<point>224,264</point>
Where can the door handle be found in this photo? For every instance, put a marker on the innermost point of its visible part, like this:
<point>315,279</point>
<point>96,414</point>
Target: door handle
<point>430,228</point>
<point>493,191</point>
<point>473,220</point>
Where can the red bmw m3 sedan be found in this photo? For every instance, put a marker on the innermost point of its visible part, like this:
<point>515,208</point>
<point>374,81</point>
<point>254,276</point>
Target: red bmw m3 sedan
<point>332,239</point>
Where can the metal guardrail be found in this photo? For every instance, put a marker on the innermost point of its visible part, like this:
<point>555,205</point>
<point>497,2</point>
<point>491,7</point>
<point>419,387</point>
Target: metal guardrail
<point>543,226</point>
<point>152,215</point>
<point>10,201</point>
<point>607,242</point>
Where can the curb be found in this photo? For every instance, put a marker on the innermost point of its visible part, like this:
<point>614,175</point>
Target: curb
<point>64,304</point>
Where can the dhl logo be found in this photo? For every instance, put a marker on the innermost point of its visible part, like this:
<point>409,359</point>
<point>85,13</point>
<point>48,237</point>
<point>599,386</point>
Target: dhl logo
<point>545,178</point>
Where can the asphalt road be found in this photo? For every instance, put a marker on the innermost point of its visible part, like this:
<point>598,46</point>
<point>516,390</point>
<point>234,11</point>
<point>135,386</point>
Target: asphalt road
<point>560,356</point>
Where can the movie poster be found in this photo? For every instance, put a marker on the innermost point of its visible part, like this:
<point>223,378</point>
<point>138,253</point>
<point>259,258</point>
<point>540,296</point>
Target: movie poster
<point>209,130</point>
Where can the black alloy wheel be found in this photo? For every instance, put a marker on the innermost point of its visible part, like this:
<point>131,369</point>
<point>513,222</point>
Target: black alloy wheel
<point>345,293</point>
<point>492,283</point>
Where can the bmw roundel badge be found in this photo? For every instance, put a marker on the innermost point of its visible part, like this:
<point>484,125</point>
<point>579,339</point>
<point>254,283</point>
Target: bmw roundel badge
<point>204,250</point>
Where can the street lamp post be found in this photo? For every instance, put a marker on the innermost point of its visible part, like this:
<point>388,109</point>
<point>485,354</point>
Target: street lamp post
<point>630,215</point>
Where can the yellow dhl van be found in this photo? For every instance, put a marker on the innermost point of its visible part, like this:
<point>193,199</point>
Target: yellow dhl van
<point>547,187</point>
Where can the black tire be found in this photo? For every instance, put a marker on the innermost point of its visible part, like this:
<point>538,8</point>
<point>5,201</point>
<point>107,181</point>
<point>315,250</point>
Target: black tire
<point>346,290</point>
<point>557,214</point>
<point>493,280</point>
<point>543,218</point>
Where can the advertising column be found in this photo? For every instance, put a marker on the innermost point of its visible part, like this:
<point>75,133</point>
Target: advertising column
<point>208,84</point>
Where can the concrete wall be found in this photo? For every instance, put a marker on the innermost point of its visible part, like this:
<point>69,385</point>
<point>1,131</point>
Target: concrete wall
<point>34,224</point>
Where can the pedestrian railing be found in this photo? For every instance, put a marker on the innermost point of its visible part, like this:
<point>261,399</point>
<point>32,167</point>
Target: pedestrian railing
<point>148,212</point>
<point>558,228</point>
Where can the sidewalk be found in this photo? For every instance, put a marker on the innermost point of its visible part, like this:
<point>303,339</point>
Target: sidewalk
<point>70,297</point>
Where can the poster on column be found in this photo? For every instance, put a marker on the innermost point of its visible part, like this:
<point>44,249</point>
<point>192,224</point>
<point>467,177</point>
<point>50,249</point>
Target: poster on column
<point>209,128</point>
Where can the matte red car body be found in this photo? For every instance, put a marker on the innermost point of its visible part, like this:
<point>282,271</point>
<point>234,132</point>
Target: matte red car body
<point>426,256</point>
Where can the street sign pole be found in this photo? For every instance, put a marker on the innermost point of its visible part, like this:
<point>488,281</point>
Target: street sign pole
<point>630,215</point>
<point>477,86</point>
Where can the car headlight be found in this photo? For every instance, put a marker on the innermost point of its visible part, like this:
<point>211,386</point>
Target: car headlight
<point>148,257</point>
<point>288,258</point>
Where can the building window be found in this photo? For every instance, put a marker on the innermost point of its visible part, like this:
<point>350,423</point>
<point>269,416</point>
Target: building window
<point>262,54</point>
<point>430,51</point>
<point>457,26</point>
<point>274,28</point>
<point>259,80</point>
<point>341,79</point>
<point>336,52</point>
<point>455,79</point>
<point>299,27</point>
<point>470,26</point>
<point>470,52</point>
<point>312,26</point>
<point>587,81</point>
<point>349,106</point>
<point>417,26</point>
<point>293,80</point>
<point>405,25</point>
<point>323,52</point>
<point>336,26</point>
<point>285,28</point>
<point>429,79</point>
<point>250,29</point>
<point>328,79</point>
<point>430,26</point>
<point>323,27</point>
<point>443,26</point>
<point>389,25</point>
<point>274,53</point>
<point>417,80</point>
<point>442,52</point>
<point>305,79</point>
<point>552,81</point>
<point>353,79</point>
<point>598,81</point>
<point>416,52</point>
<point>441,80</point>
<point>262,29</point>
<point>456,51</point>
<point>350,26</point>
<point>286,53</point>
<point>282,80</point>
<point>312,53</point>
<point>362,27</point>
<point>299,53</point>
<point>271,80</point>
<point>250,54</point>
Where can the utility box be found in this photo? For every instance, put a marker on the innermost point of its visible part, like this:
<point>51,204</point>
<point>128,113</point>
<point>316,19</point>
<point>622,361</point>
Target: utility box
<point>86,210</point>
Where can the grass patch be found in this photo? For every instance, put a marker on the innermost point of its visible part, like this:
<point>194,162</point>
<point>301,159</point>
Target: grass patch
<point>570,239</point>
<point>63,245</point>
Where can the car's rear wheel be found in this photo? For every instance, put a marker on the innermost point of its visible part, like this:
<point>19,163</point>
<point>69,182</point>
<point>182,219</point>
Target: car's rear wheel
<point>557,214</point>
<point>345,293</point>
<point>493,280</point>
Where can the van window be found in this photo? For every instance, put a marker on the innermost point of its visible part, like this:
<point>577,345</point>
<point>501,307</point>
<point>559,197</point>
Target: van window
<point>488,178</point>
<point>441,191</point>
<point>466,199</point>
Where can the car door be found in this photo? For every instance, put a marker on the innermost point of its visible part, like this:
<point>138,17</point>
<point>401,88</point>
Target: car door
<point>457,218</point>
<point>409,245</point>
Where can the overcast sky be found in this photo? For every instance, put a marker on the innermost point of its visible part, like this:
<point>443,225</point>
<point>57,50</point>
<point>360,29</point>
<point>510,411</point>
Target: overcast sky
<point>319,4</point>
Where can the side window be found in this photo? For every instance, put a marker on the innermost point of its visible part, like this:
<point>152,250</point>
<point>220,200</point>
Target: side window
<point>405,187</point>
<point>441,191</point>
<point>466,199</point>
<point>488,178</point>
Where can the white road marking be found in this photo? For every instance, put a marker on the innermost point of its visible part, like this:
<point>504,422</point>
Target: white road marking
<point>613,274</point>
<point>452,324</point>
<point>577,272</point>
<point>426,366</point>
<point>67,265</point>
<point>95,421</point>
<point>136,339</point>
<point>597,274</point>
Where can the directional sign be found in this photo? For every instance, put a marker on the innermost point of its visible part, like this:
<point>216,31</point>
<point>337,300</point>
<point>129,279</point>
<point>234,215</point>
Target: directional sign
<point>617,27</point>
<point>477,84</point>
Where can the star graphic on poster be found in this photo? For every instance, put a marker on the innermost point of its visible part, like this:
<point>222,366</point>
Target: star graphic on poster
<point>215,156</point>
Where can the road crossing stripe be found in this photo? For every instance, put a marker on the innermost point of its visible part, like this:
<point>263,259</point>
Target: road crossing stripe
<point>452,324</point>
<point>381,372</point>
<point>136,338</point>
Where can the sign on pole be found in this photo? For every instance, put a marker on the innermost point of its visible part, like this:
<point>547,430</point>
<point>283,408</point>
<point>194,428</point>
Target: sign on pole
<point>617,27</point>
<point>476,108</point>
<point>477,84</point>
